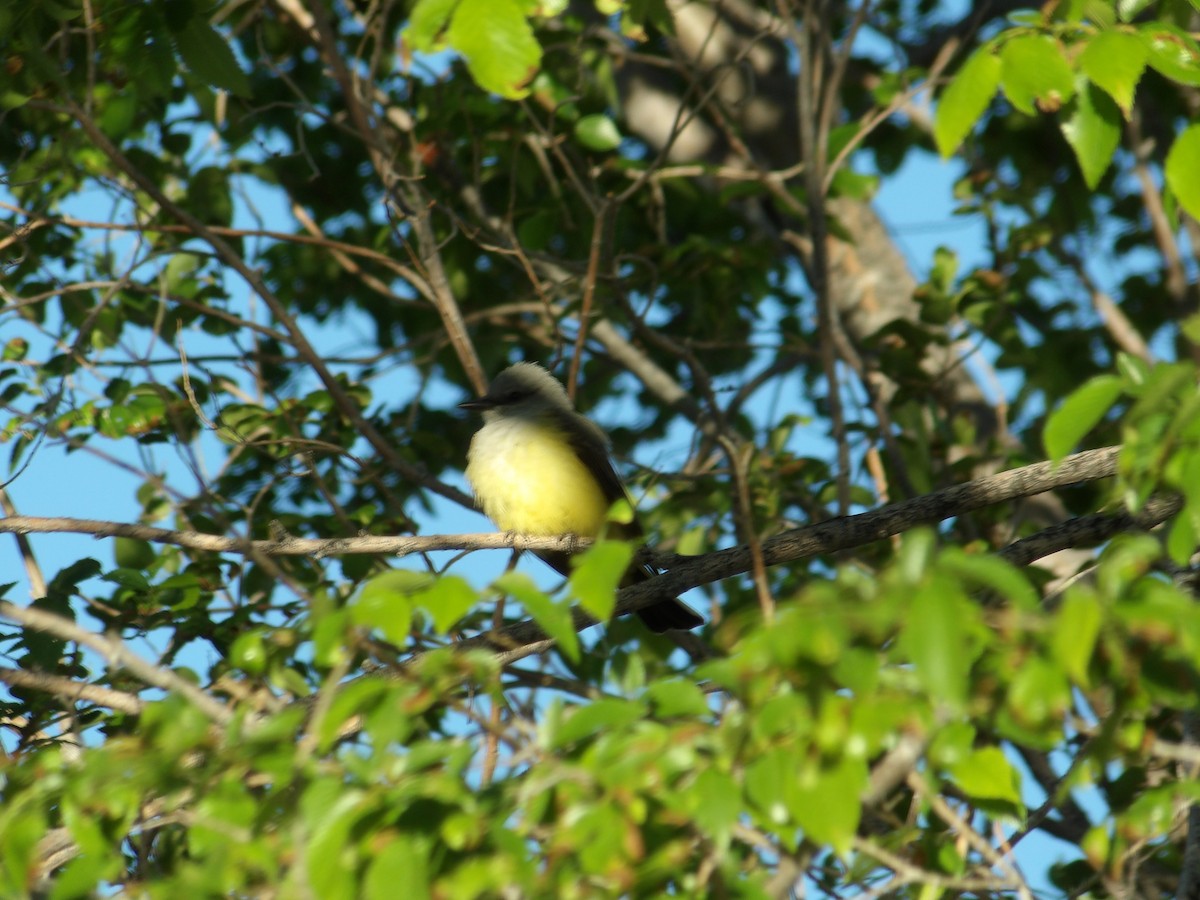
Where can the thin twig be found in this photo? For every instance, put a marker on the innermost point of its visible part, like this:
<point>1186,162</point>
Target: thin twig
<point>346,405</point>
<point>946,813</point>
<point>599,230</point>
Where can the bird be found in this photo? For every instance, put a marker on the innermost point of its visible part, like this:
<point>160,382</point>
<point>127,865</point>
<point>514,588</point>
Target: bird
<point>539,468</point>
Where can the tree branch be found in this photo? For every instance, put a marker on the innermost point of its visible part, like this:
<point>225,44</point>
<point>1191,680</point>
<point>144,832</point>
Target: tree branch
<point>684,573</point>
<point>317,548</point>
<point>118,655</point>
<point>71,690</point>
<point>830,537</point>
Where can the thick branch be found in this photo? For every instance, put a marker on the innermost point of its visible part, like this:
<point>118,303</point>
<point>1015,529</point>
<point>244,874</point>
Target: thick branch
<point>685,573</point>
<point>847,532</point>
<point>836,534</point>
<point>1087,531</point>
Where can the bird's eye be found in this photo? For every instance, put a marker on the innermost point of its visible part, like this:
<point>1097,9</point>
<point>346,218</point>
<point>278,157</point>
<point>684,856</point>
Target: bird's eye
<point>514,396</point>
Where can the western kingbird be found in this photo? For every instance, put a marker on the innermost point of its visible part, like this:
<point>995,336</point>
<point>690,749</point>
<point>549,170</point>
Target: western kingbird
<point>539,468</point>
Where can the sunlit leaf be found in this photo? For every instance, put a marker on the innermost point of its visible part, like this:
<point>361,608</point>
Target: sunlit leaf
<point>1080,413</point>
<point>1182,171</point>
<point>1114,61</point>
<point>964,101</point>
<point>498,44</point>
<point>597,573</point>
<point>1036,75</point>
<point>1093,129</point>
<point>988,775</point>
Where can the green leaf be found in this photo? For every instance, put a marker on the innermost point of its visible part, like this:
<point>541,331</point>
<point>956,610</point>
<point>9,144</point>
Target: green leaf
<point>597,574</point>
<point>357,697</point>
<point>401,862</point>
<point>952,745</point>
<point>498,44</point>
<point>964,101</point>
<point>330,858</point>
<point>63,10</point>
<point>553,618</point>
<point>1099,13</point>
<point>599,833</point>
<point>329,634</point>
<point>1190,327</point>
<point>676,697</point>
<point>1097,846</point>
<point>209,58</point>
<point>1183,471</point>
<point>22,826</point>
<point>1093,129</point>
<point>66,581</point>
<point>1128,10</point>
<point>384,603</point>
<point>992,573</point>
<point>1173,52</point>
<point>1079,414</point>
<point>825,802</point>
<point>118,115</point>
<point>944,269</point>
<point>1036,74</point>
<point>81,874</point>
<point>598,132</point>
<point>209,196</point>
<point>1076,627</point>
<point>1038,695</point>
<point>1183,169</point>
<point>936,639</point>
<point>988,775</point>
<point>15,350</point>
<point>1114,61</point>
<point>447,600</point>
<point>767,781</point>
<point>580,722</point>
<point>427,24</point>
<point>717,803</point>
<point>1134,370</point>
<point>130,578</point>
<point>654,12</point>
<point>782,714</point>
<point>1159,394</point>
<point>11,99</point>
<point>917,553</point>
<point>223,807</point>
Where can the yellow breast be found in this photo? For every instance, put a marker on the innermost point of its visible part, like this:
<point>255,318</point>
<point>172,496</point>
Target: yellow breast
<point>528,480</point>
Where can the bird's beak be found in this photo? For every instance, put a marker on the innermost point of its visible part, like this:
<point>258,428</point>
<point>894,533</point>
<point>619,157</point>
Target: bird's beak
<point>480,404</point>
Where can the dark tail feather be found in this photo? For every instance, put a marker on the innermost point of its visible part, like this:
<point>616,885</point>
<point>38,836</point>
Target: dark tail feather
<point>668,615</point>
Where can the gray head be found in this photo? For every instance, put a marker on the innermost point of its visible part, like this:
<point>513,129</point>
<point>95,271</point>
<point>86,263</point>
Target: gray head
<point>525,389</point>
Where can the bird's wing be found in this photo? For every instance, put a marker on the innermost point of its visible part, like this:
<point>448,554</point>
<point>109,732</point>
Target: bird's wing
<point>591,447</point>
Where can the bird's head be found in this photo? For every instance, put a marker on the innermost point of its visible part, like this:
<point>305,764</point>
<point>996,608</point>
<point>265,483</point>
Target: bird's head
<point>525,389</point>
